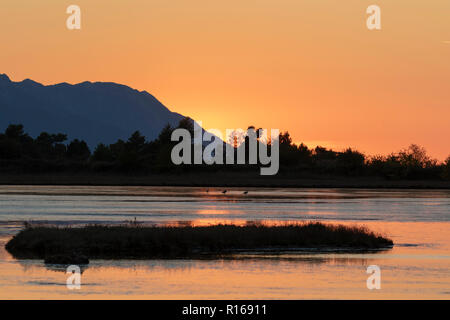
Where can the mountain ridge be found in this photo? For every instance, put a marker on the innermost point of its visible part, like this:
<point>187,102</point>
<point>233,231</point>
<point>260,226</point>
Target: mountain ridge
<point>97,112</point>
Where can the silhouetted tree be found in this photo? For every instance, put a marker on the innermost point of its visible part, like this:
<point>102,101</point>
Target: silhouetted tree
<point>188,124</point>
<point>78,150</point>
<point>165,135</point>
<point>117,148</point>
<point>51,145</point>
<point>285,139</point>
<point>136,142</point>
<point>446,169</point>
<point>288,151</point>
<point>415,156</point>
<point>304,155</point>
<point>103,153</point>
<point>350,161</point>
<point>14,132</point>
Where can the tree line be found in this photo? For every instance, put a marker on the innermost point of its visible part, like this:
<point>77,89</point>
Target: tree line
<point>19,152</point>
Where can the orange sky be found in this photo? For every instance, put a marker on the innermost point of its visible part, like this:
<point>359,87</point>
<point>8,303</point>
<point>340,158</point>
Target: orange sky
<point>310,67</point>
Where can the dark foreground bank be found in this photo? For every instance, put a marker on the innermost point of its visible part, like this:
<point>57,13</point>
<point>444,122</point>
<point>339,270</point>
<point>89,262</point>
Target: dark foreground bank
<point>146,242</point>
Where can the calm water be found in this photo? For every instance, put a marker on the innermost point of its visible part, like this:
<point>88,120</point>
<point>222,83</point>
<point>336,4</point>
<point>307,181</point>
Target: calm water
<point>418,267</point>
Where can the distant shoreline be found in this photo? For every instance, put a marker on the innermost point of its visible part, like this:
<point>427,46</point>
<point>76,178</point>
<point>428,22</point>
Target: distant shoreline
<point>217,179</point>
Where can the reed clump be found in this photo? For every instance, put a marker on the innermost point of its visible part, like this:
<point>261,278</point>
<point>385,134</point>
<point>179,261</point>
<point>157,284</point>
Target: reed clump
<point>147,242</point>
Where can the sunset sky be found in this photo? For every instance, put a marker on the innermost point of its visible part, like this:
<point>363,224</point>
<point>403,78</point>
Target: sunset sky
<point>310,67</point>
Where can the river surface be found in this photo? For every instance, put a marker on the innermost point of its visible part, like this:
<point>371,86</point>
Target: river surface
<point>417,267</point>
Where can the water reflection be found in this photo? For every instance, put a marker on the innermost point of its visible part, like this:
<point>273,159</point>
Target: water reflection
<point>417,267</point>
<point>289,277</point>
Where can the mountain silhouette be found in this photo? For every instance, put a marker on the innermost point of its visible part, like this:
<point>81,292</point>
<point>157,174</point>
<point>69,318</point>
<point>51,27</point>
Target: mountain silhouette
<point>93,111</point>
